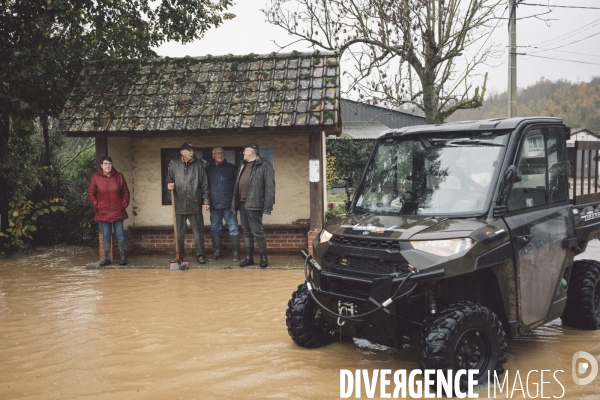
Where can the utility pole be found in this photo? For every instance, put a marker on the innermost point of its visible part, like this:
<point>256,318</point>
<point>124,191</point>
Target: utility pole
<point>512,59</point>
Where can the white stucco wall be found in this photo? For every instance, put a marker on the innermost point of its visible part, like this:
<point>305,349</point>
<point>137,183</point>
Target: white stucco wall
<point>119,149</point>
<point>139,160</point>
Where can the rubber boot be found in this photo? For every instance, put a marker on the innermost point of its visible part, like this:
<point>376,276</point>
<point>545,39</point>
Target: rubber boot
<point>216,248</point>
<point>123,251</point>
<point>249,252</point>
<point>106,261</point>
<point>262,247</point>
<point>235,243</point>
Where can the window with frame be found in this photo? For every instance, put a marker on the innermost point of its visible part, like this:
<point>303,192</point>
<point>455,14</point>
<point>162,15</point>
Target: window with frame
<point>558,166</point>
<point>204,154</point>
<point>542,170</point>
<point>233,155</point>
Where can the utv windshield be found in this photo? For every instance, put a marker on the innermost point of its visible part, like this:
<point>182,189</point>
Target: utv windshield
<point>442,175</point>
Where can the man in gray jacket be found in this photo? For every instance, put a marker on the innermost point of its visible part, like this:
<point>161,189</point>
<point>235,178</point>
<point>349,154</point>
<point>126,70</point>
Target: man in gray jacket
<point>253,196</point>
<point>187,177</point>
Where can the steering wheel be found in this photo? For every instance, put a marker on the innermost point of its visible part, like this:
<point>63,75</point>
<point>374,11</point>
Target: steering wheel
<point>405,193</point>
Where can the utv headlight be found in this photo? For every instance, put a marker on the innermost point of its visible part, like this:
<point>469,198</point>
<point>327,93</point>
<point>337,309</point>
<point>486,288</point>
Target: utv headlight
<point>443,248</point>
<point>324,236</point>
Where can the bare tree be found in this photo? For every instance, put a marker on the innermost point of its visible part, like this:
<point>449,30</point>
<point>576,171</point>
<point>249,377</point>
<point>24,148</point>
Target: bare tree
<point>405,52</point>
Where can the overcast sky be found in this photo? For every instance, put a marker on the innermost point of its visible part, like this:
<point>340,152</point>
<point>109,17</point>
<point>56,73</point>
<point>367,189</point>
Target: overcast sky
<point>573,33</point>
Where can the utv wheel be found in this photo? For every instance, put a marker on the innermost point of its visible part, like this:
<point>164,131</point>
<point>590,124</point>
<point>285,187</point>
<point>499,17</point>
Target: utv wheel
<point>465,336</point>
<point>583,296</point>
<point>305,323</point>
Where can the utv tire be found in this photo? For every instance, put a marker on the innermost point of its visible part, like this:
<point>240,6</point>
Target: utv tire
<point>304,321</point>
<point>583,296</point>
<point>464,336</point>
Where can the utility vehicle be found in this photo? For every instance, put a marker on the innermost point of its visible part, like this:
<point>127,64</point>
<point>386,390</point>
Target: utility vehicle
<point>459,236</point>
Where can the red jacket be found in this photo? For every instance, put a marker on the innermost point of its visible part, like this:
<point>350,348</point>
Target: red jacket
<point>109,195</point>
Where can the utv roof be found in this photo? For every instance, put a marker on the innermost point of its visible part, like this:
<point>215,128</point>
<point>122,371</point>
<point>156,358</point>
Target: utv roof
<point>470,126</point>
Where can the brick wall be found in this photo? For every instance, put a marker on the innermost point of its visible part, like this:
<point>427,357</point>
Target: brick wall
<point>312,235</point>
<point>280,239</point>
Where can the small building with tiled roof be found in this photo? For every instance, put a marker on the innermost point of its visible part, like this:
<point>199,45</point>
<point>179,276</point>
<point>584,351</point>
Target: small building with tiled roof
<point>356,111</point>
<point>140,111</point>
<point>363,130</point>
<point>582,134</point>
<point>362,121</point>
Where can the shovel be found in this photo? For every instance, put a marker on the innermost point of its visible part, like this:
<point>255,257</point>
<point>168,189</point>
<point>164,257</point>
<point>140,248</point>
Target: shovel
<point>178,265</point>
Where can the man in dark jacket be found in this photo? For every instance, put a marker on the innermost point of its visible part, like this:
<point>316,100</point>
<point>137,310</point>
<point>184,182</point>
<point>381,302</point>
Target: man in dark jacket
<point>188,178</point>
<point>221,181</point>
<point>254,196</point>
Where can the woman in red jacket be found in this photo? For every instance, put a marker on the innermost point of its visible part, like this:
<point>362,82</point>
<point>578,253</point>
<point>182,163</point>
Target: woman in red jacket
<point>109,195</point>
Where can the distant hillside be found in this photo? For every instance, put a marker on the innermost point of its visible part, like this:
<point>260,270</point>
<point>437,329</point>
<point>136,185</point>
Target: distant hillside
<point>578,104</point>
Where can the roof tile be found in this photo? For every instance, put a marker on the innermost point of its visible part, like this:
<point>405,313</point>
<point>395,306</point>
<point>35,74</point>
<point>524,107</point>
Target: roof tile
<point>247,121</point>
<point>195,94</point>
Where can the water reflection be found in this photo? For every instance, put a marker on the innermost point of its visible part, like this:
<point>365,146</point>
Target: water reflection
<point>207,334</point>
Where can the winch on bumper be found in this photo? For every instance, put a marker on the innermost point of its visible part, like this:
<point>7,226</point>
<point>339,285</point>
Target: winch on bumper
<point>362,305</point>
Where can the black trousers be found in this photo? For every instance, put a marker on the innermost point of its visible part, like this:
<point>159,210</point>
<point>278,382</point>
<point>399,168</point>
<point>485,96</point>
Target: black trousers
<point>252,222</point>
<point>197,223</point>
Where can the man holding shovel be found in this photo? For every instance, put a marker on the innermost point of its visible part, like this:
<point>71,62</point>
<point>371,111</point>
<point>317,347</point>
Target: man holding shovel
<point>188,180</point>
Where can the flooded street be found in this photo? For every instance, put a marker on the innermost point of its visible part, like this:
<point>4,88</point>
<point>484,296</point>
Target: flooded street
<point>67,332</point>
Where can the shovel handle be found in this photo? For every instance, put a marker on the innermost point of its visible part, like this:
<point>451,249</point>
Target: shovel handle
<point>175,223</point>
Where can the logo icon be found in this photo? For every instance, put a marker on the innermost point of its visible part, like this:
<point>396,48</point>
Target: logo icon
<point>583,367</point>
<point>366,232</point>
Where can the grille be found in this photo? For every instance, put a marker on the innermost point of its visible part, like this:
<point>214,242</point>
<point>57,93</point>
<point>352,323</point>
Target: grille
<point>366,243</point>
<point>336,261</point>
<point>347,287</point>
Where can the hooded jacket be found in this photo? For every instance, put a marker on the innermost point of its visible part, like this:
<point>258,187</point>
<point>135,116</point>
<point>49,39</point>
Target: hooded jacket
<point>109,196</point>
<point>191,185</point>
<point>261,190</point>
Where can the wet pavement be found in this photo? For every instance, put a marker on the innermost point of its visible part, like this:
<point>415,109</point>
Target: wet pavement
<point>162,261</point>
<point>69,332</point>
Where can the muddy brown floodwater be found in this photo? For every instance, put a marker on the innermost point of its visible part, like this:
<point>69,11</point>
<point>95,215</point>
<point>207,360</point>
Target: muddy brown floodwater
<point>67,332</point>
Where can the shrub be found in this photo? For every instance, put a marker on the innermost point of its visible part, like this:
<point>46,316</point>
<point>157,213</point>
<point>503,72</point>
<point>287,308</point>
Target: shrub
<point>30,184</point>
<point>348,156</point>
<point>330,171</point>
<point>78,226</point>
<point>335,210</point>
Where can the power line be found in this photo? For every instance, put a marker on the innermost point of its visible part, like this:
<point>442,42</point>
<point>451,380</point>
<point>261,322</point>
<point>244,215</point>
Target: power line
<point>554,6</point>
<point>559,59</point>
<point>561,51</point>
<point>541,50</point>
<point>568,34</point>
<point>577,41</point>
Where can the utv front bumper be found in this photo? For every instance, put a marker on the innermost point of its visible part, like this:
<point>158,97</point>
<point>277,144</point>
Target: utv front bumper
<point>364,307</point>
<point>376,291</point>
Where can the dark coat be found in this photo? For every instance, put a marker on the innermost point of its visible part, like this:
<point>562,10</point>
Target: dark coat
<point>221,181</point>
<point>261,190</point>
<point>191,186</point>
<point>109,196</point>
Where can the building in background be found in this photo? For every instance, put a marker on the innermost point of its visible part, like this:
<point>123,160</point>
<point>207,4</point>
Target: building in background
<point>140,111</point>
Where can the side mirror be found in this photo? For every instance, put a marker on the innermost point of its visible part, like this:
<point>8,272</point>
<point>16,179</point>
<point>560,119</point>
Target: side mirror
<point>349,179</point>
<point>349,188</point>
<point>510,176</point>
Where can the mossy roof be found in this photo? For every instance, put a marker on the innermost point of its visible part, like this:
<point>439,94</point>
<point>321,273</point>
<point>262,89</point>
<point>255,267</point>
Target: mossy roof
<point>296,91</point>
